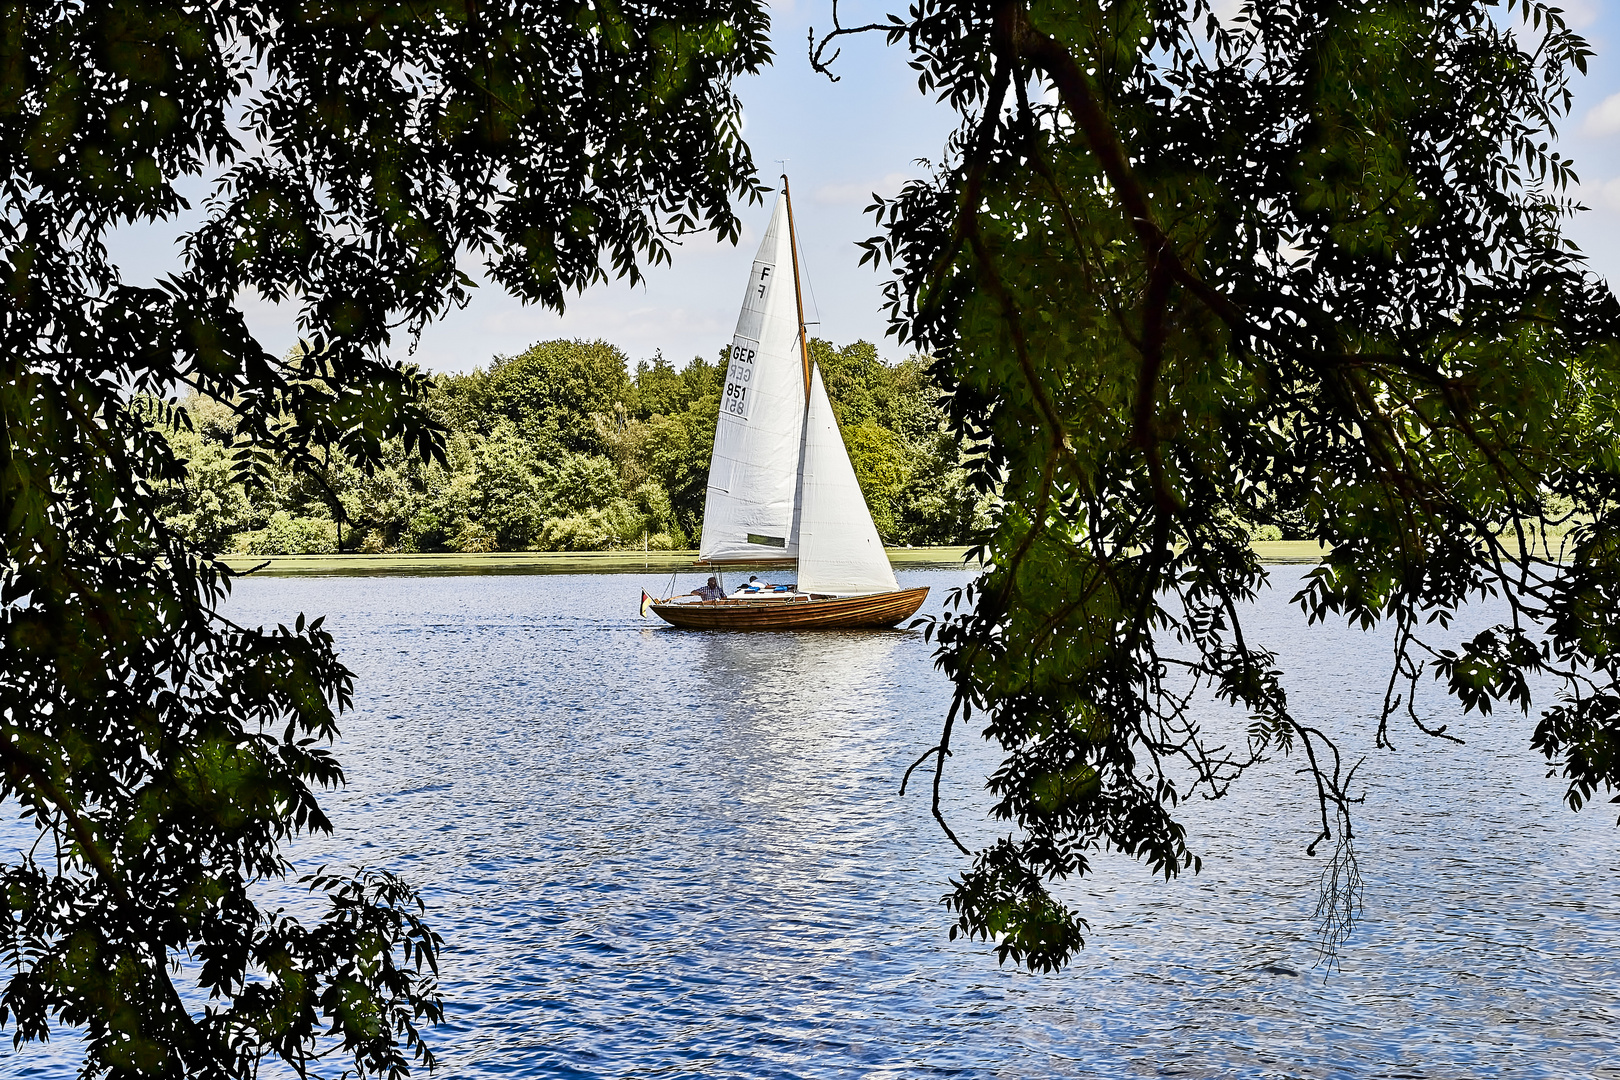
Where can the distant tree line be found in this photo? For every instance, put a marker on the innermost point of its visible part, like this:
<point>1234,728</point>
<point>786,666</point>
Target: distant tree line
<point>564,448</point>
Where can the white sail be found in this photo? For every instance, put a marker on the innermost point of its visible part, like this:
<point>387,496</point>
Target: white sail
<point>748,513</point>
<point>839,549</point>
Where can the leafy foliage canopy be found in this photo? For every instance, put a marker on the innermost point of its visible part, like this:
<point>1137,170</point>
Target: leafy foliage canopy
<point>1181,271</point>
<point>556,449</point>
<point>352,155</point>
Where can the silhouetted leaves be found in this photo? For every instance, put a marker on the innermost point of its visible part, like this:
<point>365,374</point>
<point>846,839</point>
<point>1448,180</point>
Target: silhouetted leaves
<point>1296,265</point>
<point>356,157</point>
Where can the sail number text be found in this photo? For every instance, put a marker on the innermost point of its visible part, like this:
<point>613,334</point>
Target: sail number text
<point>735,399</point>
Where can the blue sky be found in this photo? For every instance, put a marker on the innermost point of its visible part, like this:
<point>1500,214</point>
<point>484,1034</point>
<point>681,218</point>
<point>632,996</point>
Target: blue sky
<point>842,142</point>
<point>1592,136</point>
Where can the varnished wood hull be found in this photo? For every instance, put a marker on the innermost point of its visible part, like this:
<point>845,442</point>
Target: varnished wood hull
<point>837,613</point>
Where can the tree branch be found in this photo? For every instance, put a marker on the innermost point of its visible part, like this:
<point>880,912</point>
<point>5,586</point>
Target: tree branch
<point>824,66</point>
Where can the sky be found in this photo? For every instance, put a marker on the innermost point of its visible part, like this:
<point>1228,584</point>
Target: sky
<point>842,142</point>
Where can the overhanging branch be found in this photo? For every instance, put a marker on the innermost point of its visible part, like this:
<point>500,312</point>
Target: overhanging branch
<point>822,63</point>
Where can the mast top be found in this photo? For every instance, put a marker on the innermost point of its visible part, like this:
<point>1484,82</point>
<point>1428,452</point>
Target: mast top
<point>798,293</point>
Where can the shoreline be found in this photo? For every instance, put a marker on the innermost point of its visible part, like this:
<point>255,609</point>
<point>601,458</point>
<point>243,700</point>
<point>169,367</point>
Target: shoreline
<point>618,562</point>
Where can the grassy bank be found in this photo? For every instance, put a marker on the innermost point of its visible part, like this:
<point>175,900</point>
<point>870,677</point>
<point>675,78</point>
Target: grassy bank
<point>609,562</point>
<point>500,562</point>
<point>1289,551</point>
<point>528,562</point>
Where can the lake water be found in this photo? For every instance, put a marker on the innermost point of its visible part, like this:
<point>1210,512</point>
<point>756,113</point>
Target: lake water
<point>659,853</point>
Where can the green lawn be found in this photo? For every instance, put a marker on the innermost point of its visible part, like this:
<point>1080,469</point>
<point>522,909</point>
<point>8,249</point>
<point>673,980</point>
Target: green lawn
<point>502,562</point>
<point>611,562</point>
<point>1289,551</point>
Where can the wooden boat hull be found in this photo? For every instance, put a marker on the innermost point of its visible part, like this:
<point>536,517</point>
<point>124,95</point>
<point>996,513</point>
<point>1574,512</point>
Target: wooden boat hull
<point>835,613</point>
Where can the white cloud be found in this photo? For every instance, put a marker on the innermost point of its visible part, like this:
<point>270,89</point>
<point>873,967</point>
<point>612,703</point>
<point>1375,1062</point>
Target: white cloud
<point>1227,11</point>
<point>1604,118</point>
<point>1580,13</point>
<point>860,194</point>
<point>1602,195</point>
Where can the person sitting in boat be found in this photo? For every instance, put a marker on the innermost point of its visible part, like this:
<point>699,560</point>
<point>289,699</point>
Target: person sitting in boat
<point>711,591</point>
<point>755,586</point>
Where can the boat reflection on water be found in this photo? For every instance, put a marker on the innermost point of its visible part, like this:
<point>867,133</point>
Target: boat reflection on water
<point>820,729</point>
<point>834,677</point>
<point>805,702</point>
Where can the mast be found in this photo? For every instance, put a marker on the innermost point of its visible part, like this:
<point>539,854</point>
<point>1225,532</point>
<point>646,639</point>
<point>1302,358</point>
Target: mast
<point>798,295</point>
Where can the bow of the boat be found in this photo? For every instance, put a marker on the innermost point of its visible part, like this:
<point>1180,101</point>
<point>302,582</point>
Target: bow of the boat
<point>903,605</point>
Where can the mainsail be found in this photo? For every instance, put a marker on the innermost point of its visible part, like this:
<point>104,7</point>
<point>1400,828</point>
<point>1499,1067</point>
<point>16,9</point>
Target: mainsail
<point>748,513</point>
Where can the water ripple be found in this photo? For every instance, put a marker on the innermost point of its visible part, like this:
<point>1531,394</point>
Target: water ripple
<point>669,854</point>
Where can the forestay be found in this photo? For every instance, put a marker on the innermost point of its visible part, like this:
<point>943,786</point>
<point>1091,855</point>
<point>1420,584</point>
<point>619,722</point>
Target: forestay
<point>748,512</point>
<point>839,548</point>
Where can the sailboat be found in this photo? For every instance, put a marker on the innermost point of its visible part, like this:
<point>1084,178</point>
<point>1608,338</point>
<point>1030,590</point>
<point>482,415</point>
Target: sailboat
<point>781,486</point>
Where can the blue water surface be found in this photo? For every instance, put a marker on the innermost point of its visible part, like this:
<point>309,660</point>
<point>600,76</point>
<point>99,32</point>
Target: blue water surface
<point>658,853</point>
